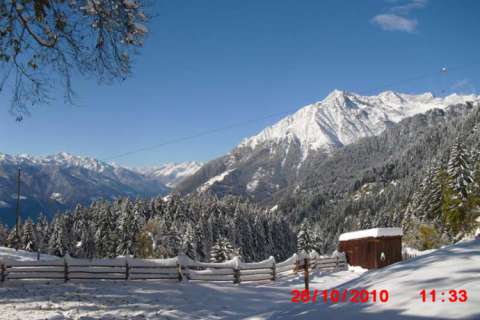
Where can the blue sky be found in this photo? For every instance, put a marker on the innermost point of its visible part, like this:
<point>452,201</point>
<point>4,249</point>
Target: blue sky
<point>208,64</point>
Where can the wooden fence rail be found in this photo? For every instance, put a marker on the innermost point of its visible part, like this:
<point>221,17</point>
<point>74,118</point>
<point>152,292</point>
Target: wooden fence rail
<point>176,269</point>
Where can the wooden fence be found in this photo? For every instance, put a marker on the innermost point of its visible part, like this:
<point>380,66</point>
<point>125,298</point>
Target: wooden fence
<point>177,268</point>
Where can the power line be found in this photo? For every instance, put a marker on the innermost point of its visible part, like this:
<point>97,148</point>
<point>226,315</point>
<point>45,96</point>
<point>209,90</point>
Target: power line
<point>200,134</point>
<point>286,112</point>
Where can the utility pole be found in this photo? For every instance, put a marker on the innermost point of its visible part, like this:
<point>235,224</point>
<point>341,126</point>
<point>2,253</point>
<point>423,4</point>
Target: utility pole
<point>18,211</point>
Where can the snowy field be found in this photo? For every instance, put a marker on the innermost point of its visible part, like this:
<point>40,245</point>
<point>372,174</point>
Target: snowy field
<point>20,255</point>
<point>454,267</point>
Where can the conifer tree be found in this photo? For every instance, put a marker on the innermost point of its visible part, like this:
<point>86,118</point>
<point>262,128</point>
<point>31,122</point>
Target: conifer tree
<point>129,225</point>
<point>457,191</point>
<point>105,236</point>
<point>3,235</point>
<point>13,239</point>
<point>459,171</point>
<point>305,238</point>
<point>42,232</point>
<point>59,243</point>
<point>188,243</point>
<point>28,236</point>
<point>84,233</point>
<point>221,251</point>
<point>434,195</point>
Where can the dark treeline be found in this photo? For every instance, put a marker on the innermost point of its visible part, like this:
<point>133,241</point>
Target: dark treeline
<point>194,225</point>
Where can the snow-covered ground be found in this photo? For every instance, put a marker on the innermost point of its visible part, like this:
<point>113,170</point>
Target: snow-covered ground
<point>21,255</point>
<point>453,267</point>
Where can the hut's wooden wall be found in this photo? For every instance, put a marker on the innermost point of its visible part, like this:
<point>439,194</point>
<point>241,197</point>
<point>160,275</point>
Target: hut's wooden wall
<point>366,252</point>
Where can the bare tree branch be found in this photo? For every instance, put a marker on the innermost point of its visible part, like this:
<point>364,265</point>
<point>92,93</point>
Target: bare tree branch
<point>45,42</point>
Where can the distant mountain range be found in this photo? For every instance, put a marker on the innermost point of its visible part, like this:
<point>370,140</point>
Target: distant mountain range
<point>59,182</point>
<point>171,174</point>
<point>279,156</point>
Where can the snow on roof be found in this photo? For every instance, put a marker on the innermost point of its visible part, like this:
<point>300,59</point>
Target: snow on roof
<point>371,233</point>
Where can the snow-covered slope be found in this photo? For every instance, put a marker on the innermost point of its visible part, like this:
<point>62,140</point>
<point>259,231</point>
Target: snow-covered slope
<point>280,155</point>
<point>9,254</point>
<point>172,173</point>
<point>343,118</point>
<point>455,267</point>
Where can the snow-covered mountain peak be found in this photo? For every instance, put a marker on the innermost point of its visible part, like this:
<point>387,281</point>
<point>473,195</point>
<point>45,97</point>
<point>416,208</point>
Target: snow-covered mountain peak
<point>336,94</point>
<point>172,173</point>
<point>344,117</point>
<point>62,159</point>
<point>67,159</point>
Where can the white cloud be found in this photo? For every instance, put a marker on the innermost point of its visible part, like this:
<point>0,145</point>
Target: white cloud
<point>406,8</point>
<point>393,22</point>
<point>397,17</point>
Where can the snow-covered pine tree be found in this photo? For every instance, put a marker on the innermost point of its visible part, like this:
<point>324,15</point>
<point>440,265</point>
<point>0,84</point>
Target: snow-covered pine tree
<point>305,238</point>
<point>28,236</point>
<point>423,223</point>
<point>221,251</point>
<point>41,232</point>
<point>459,170</point>
<point>200,251</point>
<point>59,243</point>
<point>434,196</point>
<point>476,186</point>
<point>3,234</point>
<point>106,233</point>
<point>14,240</point>
<point>457,190</point>
<point>188,243</point>
<point>84,231</point>
<point>129,226</point>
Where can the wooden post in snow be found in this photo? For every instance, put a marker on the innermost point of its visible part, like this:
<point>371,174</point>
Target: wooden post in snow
<point>65,270</point>
<point>127,270</point>
<point>274,271</point>
<point>305,272</point>
<point>179,272</point>
<point>2,274</point>
<point>236,275</point>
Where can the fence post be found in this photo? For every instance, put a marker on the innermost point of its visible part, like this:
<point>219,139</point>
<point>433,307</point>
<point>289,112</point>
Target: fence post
<point>179,272</point>
<point>274,271</point>
<point>2,275</point>
<point>336,263</point>
<point>236,275</point>
<point>127,270</point>
<point>65,270</point>
<point>305,273</point>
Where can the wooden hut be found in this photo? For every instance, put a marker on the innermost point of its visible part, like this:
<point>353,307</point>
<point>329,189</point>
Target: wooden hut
<point>372,248</point>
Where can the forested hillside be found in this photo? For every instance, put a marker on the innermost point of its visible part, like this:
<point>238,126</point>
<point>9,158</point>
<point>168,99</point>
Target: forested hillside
<point>378,181</point>
<point>197,225</point>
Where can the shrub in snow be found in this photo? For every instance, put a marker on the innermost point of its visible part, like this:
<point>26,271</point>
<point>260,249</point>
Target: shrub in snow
<point>222,251</point>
